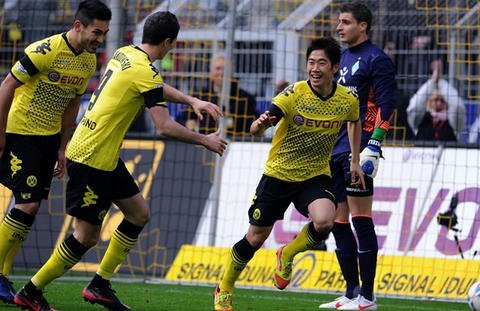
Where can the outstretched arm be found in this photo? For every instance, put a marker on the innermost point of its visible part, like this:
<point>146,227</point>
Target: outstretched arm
<point>268,118</point>
<point>171,94</point>
<point>166,126</point>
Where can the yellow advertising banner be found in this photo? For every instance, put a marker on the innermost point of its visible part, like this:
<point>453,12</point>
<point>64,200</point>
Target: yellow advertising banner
<point>319,270</point>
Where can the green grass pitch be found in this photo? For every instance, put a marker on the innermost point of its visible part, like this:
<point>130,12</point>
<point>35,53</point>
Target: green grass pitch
<point>66,296</point>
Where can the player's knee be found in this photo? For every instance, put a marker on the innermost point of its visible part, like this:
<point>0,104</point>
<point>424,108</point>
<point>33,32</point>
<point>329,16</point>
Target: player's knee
<point>88,240</point>
<point>323,225</point>
<point>140,218</point>
<point>29,208</point>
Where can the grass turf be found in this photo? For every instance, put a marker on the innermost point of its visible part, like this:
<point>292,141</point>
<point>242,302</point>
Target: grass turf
<point>66,295</point>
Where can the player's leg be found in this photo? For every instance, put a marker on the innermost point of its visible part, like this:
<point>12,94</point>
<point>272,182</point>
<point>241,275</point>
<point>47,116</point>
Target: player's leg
<point>27,169</point>
<point>240,254</point>
<point>360,204</point>
<point>14,229</point>
<point>346,244</point>
<point>63,258</point>
<point>313,198</point>
<point>136,215</point>
<point>271,199</point>
<point>361,209</point>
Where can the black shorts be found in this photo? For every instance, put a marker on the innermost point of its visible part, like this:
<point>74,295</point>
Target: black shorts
<point>273,196</point>
<point>340,168</point>
<point>27,164</point>
<point>90,191</point>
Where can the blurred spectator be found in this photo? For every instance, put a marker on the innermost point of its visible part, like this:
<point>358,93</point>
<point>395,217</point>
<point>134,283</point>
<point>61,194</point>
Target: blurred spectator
<point>401,129</point>
<point>242,106</point>
<point>435,124</point>
<point>473,133</point>
<point>280,86</point>
<point>455,108</point>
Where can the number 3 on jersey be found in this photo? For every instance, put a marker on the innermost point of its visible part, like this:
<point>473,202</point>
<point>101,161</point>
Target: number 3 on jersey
<point>99,89</point>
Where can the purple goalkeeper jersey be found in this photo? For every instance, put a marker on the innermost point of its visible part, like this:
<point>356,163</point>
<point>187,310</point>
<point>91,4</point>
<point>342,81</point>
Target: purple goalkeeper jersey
<point>363,68</point>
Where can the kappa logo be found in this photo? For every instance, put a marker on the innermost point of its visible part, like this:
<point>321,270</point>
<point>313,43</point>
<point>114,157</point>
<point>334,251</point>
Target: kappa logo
<point>15,164</point>
<point>288,90</point>
<point>154,70</point>
<point>343,73</point>
<point>89,198</point>
<point>43,48</point>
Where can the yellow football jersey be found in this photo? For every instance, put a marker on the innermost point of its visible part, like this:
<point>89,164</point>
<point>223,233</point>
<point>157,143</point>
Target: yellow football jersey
<point>52,74</point>
<point>305,136</point>
<point>129,83</point>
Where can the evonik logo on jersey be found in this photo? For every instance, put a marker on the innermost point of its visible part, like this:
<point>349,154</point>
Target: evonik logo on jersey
<point>325,124</point>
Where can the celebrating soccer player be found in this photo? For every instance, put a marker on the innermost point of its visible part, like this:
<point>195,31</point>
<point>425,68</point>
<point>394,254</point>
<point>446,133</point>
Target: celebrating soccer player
<point>39,101</point>
<point>363,68</point>
<point>99,177</point>
<point>309,116</point>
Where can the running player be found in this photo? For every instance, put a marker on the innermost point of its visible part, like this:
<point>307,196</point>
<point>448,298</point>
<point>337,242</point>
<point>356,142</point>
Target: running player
<point>363,67</point>
<point>99,177</point>
<point>39,101</point>
<point>309,115</point>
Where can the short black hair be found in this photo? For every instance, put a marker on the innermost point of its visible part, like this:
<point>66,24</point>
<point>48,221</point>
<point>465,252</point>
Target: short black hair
<point>359,11</point>
<point>88,10</point>
<point>329,45</point>
<point>160,26</point>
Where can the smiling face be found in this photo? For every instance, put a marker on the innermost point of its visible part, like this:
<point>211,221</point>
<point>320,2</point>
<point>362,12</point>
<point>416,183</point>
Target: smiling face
<point>320,70</point>
<point>90,37</point>
<point>350,31</point>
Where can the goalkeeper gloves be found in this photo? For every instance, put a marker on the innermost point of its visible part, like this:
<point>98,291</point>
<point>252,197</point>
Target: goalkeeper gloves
<point>370,157</point>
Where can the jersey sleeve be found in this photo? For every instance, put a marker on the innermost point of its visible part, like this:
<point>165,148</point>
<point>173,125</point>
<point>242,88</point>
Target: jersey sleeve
<point>150,84</point>
<point>383,84</point>
<point>354,112</point>
<point>285,98</point>
<point>37,58</point>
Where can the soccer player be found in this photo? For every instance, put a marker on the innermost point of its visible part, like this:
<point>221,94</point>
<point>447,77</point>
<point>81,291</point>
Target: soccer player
<point>363,67</point>
<point>309,115</point>
<point>99,177</point>
<point>39,101</point>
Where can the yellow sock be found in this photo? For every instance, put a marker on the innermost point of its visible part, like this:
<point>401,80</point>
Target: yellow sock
<point>62,260</point>
<point>118,249</point>
<point>8,262</point>
<point>234,268</point>
<point>302,242</point>
<point>12,235</point>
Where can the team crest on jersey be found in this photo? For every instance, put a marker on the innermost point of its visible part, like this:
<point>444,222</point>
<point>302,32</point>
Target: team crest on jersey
<point>355,66</point>
<point>43,48</point>
<point>53,76</point>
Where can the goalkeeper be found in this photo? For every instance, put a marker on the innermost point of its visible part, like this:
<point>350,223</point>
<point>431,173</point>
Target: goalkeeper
<point>366,70</point>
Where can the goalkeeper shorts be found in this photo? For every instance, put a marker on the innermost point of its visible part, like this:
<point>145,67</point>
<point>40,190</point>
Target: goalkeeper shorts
<point>341,177</point>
